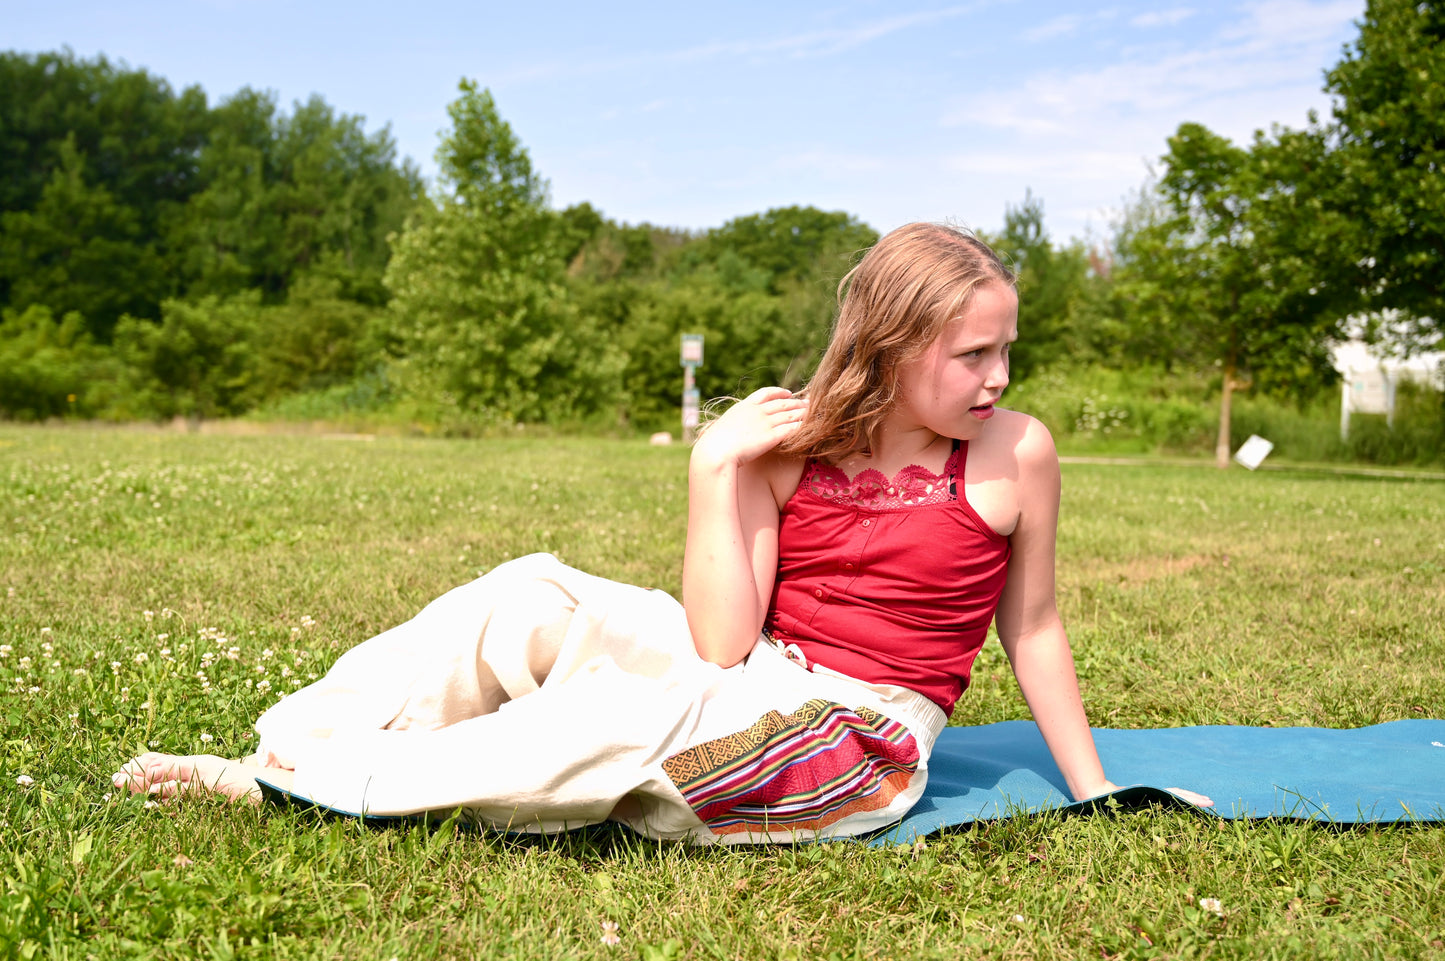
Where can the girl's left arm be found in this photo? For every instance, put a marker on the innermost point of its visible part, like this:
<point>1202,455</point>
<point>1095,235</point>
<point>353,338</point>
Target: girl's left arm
<point>1029,625</point>
<point>1032,632</point>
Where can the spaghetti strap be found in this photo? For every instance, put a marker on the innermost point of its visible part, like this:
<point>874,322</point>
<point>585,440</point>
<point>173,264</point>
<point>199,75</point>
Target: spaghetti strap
<point>960,447</point>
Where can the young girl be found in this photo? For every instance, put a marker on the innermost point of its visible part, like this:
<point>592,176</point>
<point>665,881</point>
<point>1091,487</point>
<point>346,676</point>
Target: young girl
<point>847,549</point>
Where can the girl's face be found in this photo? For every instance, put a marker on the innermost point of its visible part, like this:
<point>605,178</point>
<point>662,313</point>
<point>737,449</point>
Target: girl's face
<point>950,389</point>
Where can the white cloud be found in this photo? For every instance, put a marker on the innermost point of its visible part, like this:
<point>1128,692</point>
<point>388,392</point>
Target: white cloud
<point>1291,22</point>
<point>1057,27</point>
<point>1157,83</point>
<point>807,44</point>
<point>1162,18</point>
<point>1076,135</point>
<point>1066,24</point>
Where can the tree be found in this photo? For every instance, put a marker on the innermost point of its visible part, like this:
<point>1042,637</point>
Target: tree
<point>49,366</point>
<point>483,315</point>
<point>1051,280</point>
<point>199,361</point>
<point>288,195</point>
<point>1229,261</point>
<point>79,250</point>
<point>1390,130</point>
<point>792,243</point>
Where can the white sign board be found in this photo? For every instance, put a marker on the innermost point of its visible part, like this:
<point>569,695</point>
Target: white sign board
<point>1253,451</point>
<point>1369,391</point>
<point>692,350</point>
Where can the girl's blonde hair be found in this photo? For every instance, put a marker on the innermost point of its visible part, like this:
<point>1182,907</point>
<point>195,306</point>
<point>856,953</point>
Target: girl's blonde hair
<point>891,307</point>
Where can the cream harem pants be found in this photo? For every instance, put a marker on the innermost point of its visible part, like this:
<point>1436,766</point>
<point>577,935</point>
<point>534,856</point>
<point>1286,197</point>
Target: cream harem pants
<point>541,698</point>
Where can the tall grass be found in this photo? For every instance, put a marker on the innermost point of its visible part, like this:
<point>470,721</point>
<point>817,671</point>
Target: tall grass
<point>1098,410</point>
<point>161,589</point>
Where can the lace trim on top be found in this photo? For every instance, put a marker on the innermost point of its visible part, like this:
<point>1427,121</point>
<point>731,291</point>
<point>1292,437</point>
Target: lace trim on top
<point>913,486</point>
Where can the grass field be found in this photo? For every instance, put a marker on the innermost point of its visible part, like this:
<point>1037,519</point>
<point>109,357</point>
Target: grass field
<point>161,589</point>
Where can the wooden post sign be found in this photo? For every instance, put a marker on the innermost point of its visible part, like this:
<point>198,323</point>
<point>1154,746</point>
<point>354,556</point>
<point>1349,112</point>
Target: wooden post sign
<point>691,361</point>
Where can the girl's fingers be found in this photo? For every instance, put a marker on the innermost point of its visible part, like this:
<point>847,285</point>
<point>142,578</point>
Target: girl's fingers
<point>1192,797</point>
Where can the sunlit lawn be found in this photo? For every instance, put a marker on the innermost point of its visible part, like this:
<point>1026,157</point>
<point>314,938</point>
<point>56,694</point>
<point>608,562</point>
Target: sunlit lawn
<point>161,589</point>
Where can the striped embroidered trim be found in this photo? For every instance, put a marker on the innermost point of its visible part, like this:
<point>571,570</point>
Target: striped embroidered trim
<point>796,772</point>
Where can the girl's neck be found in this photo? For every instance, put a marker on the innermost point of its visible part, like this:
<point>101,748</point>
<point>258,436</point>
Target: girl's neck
<point>894,451</point>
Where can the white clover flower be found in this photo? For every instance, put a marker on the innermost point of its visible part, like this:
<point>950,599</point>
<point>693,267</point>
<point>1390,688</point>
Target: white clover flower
<point>610,937</point>
<point>1212,905</point>
<point>206,738</point>
<point>25,780</point>
<point>142,657</point>
<point>148,615</point>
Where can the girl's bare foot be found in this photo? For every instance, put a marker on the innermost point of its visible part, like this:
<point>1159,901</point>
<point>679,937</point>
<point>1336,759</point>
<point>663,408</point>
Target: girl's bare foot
<point>166,775</point>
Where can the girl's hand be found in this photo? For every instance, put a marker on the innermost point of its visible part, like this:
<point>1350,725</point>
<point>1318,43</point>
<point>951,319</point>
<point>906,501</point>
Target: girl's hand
<point>751,427</point>
<point>1192,797</point>
<point>1109,787</point>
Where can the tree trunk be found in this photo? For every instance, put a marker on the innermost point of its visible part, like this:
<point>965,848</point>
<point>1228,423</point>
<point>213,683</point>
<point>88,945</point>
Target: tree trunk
<point>1221,447</point>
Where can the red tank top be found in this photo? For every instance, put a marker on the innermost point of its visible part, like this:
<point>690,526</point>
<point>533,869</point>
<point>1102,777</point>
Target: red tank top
<point>889,581</point>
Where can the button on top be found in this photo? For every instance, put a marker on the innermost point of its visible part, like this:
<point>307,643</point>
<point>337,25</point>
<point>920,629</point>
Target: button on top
<point>847,567</point>
<point>867,521</point>
<point>818,592</point>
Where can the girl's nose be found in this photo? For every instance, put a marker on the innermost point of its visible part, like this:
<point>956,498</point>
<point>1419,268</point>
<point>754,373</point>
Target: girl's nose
<point>997,378</point>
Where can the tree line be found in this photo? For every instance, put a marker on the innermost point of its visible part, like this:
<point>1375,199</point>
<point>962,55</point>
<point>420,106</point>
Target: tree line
<point>160,256</point>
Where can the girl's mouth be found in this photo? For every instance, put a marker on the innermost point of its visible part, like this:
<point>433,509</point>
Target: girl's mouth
<point>982,411</point>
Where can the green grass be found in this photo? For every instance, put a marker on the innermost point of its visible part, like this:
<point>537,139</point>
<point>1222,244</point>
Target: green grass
<point>1193,597</point>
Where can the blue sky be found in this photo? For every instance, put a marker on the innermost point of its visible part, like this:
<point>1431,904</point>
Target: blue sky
<point>690,114</point>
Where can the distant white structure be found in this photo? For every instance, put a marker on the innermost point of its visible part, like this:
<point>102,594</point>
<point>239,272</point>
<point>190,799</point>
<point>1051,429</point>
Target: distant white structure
<point>1370,380</point>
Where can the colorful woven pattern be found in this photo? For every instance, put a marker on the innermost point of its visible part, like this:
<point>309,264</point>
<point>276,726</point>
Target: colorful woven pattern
<point>796,772</point>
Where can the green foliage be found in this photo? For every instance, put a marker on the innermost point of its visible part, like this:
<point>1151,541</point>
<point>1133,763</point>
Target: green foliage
<point>288,196</point>
<point>1107,410</point>
<point>1052,282</point>
<point>49,367</point>
<point>797,244</point>
<point>78,249</point>
<point>117,194</point>
<point>197,362</point>
<point>484,321</point>
<point>1390,128</point>
<point>138,138</point>
<point>1228,267</point>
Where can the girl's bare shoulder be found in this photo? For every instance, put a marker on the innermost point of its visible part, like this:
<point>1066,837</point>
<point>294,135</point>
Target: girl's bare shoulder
<point>782,474</point>
<point>1020,437</point>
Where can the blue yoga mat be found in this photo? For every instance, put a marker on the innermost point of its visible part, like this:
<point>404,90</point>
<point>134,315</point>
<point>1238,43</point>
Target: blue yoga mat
<point>1388,772</point>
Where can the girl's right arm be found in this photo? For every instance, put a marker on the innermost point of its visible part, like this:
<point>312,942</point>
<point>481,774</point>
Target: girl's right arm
<point>732,524</point>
